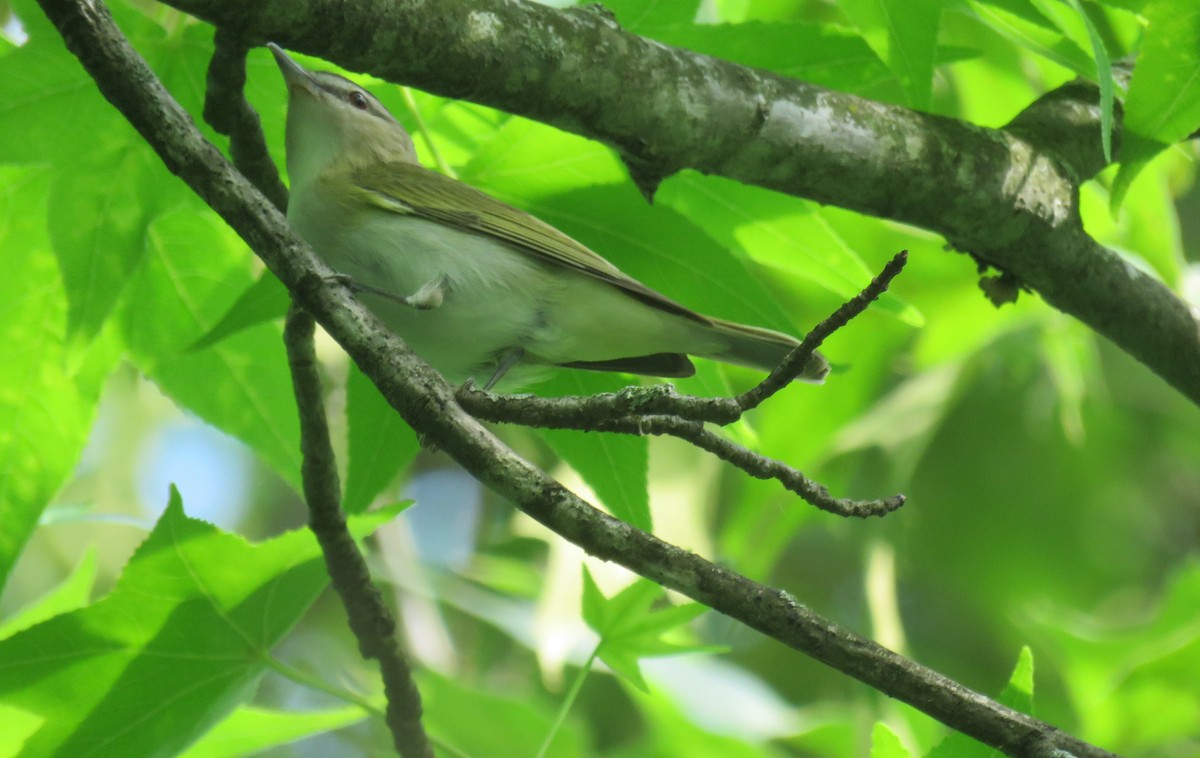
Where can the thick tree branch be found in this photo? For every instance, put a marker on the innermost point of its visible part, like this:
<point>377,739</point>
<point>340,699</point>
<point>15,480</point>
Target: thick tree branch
<point>1009,203</point>
<point>427,403</point>
<point>1066,123</point>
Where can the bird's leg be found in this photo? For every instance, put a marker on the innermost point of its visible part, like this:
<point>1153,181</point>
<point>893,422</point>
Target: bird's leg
<point>428,297</point>
<point>508,359</point>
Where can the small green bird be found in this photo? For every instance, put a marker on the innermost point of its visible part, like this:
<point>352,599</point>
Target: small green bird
<point>477,288</point>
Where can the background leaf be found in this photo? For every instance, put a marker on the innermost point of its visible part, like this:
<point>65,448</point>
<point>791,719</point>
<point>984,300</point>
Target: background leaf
<point>1163,105</point>
<point>179,642</point>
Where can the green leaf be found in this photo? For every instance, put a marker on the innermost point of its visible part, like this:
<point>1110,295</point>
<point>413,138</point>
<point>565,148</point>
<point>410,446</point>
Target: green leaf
<point>265,300</point>
<point>886,744</point>
<point>46,97</point>
<point>630,630</point>
<point>1021,23</point>
<point>70,594</point>
<point>457,128</point>
<point>1133,680</point>
<point>250,730</point>
<point>1163,105</point>
<point>487,725</point>
<point>777,231</point>
<point>615,466</point>
<point>379,443</point>
<point>97,224</point>
<point>818,53</point>
<point>1104,78</point>
<point>48,390</point>
<point>180,641</point>
<point>99,227</point>
<point>1018,694</point>
<point>527,160</point>
<point>196,268</point>
<point>641,17</point>
<point>18,726</point>
<point>903,422</point>
<point>904,34</point>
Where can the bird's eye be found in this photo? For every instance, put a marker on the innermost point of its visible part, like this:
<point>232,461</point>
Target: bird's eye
<point>358,100</point>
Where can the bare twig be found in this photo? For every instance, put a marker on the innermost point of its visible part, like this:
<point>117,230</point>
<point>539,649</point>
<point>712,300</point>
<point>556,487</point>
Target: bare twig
<point>755,465</point>
<point>226,109</point>
<point>793,365</point>
<point>369,617</point>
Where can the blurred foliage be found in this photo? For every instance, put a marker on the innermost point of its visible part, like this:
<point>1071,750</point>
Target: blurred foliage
<point>1054,488</point>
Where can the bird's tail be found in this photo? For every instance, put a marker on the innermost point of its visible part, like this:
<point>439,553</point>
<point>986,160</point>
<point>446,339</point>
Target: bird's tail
<point>763,349</point>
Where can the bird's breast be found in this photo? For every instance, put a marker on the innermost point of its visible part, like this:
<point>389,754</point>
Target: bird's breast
<point>495,296</point>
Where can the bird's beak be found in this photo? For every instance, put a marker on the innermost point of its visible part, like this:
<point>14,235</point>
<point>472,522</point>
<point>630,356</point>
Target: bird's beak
<point>295,75</point>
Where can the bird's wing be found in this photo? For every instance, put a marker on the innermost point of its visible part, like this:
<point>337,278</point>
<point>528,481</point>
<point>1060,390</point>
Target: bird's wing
<point>408,188</point>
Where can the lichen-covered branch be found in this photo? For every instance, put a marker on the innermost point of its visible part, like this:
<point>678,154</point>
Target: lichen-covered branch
<point>1009,202</point>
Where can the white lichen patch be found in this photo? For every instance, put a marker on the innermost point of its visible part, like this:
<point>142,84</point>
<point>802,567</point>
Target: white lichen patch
<point>792,123</point>
<point>483,26</point>
<point>1034,183</point>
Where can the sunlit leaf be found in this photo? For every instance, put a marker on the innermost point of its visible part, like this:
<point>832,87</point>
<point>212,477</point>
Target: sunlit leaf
<point>379,442</point>
<point>1018,693</point>
<point>1020,22</point>
<point>249,730</point>
<point>1163,105</point>
<point>886,744</point>
<point>73,592</point>
<point>1103,77</point>
<point>179,642</point>
<point>48,389</point>
<point>903,33</point>
<point>196,268</point>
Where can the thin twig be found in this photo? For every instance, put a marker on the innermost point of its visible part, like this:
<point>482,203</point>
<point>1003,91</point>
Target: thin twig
<point>758,466</point>
<point>794,364</point>
<point>225,107</point>
<point>369,617</point>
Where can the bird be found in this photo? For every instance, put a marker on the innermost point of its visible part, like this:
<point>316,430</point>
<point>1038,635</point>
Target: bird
<point>482,291</point>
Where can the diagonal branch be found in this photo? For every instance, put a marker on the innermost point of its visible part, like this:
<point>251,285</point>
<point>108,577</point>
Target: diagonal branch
<point>426,402</point>
<point>1010,203</point>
